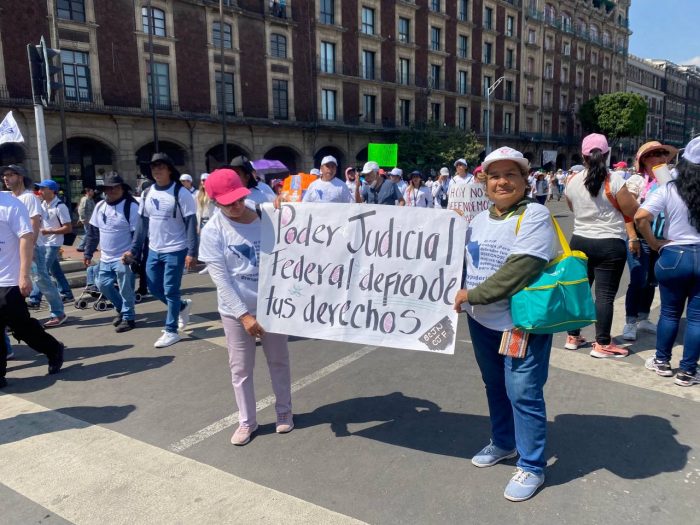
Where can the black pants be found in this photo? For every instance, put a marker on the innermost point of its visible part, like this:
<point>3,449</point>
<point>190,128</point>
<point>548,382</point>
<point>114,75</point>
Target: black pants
<point>606,262</point>
<point>14,313</point>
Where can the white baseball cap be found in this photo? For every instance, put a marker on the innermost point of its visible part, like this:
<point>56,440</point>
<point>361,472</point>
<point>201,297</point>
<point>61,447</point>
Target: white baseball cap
<point>328,159</point>
<point>396,172</point>
<point>505,153</point>
<point>315,171</point>
<point>576,169</point>
<point>691,153</point>
<point>369,167</point>
<point>203,176</point>
<point>186,177</point>
<point>444,171</point>
<point>461,161</point>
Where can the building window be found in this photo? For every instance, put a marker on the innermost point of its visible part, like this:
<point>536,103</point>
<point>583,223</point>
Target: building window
<point>368,20</point>
<point>530,65</point>
<point>463,46</point>
<point>71,10</point>
<point>278,45</point>
<point>155,23</point>
<point>327,57</point>
<point>280,99</point>
<point>161,72</point>
<point>404,71</point>
<point>507,123</point>
<point>548,71</point>
<point>508,90</point>
<point>327,15</point>
<point>435,112</point>
<point>328,104</point>
<point>76,76</point>
<point>405,112</point>
<point>435,5</point>
<point>229,101</point>
<point>485,120</point>
<point>531,36</point>
<point>564,75</point>
<point>488,18</point>
<point>594,58</point>
<point>510,26</point>
<point>435,38</point>
<point>566,22</point>
<point>462,117</point>
<point>550,14</point>
<point>530,95</point>
<point>462,83</point>
<point>368,65</point>
<point>548,42</point>
<point>216,35</point>
<point>463,10</point>
<point>404,30</point>
<point>510,59</point>
<point>566,49</point>
<point>434,76</point>
<point>369,106</point>
<point>488,48</point>
<point>487,84</point>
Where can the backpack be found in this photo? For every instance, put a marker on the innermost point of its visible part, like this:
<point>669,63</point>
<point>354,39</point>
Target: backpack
<point>68,238</point>
<point>178,187</point>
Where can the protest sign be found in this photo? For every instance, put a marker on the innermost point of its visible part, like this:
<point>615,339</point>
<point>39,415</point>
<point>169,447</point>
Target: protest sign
<point>471,199</point>
<point>361,273</point>
<point>385,155</point>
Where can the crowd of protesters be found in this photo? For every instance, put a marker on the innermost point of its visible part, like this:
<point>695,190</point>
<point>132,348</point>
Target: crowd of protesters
<point>623,218</point>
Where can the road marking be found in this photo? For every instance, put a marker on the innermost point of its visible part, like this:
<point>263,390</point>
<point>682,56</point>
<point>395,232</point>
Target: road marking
<point>88,474</point>
<point>265,402</point>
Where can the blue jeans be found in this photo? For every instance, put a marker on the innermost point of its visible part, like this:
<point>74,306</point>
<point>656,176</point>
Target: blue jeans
<point>123,299</point>
<point>515,394</point>
<point>678,273</point>
<point>164,276</point>
<point>44,284</point>
<point>54,267</point>
<point>642,285</point>
<point>91,274</point>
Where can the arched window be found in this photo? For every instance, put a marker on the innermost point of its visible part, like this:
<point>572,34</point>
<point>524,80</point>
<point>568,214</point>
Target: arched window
<point>550,13</point>
<point>155,23</point>
<point>566,22</point>
<point>278,45</point>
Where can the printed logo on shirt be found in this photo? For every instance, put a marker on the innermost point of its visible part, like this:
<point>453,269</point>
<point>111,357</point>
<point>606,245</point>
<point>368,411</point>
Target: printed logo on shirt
<point>473,249</point>
<point>155,203</point>
<point>319,193</point>
<point>248,253</point>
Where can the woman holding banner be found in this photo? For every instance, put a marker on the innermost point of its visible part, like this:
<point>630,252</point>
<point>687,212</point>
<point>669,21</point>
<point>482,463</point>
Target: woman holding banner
<point>513,364</point>
<point>230,245</point>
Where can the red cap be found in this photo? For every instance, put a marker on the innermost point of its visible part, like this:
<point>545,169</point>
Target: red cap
<point>620,165</point>
<point>225,187</point>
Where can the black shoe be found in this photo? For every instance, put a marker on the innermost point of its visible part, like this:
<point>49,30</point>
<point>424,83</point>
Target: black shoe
<point>33,306</point>
<point>117,320</point>
<point>125,326</point>
<point>67,299</point>
<point>3,382</point>
<point>80,249</point>
<point>56,363</point>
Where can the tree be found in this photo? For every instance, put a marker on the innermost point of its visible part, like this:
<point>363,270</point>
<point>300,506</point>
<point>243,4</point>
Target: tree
<point>615,115</point>
<point>432,147</point>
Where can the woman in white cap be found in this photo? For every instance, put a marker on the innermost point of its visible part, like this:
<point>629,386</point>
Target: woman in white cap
<point>500,263</point>
<point>677,269</point>
<point>230,245</point>
<point>600,201</point>
<point>417,194</point>
<point>462,176</point>
<point>441,188</point>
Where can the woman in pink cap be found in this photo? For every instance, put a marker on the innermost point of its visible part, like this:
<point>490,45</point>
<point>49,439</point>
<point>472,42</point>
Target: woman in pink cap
<point>600,201</point>
<point>230,245</point>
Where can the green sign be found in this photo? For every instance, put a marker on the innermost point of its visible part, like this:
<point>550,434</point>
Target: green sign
<point>385,155</point>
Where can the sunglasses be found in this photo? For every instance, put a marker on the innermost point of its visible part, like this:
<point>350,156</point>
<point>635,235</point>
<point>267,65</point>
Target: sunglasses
<point>657,153</point>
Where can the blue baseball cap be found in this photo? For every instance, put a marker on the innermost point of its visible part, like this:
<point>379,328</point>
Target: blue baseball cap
<point>50,184</point>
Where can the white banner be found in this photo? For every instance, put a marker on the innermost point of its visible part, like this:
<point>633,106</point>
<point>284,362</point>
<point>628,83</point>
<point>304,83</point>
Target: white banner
<point>9,130</point>
<point>362,273</point>
<point>470,199</point>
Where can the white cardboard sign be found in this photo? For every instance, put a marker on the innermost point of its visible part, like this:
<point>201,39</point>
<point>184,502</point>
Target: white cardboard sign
<point>470,199</point>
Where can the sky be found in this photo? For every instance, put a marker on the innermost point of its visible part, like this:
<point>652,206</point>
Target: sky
<point>668,30</point>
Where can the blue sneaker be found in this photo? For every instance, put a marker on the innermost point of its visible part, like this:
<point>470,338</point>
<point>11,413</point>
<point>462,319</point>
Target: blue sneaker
<point>523,485</point>
<point>491,454</point>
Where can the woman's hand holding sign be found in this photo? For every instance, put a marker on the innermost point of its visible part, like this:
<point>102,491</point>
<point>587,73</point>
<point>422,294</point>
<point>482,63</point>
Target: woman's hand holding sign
<point>251,325</point>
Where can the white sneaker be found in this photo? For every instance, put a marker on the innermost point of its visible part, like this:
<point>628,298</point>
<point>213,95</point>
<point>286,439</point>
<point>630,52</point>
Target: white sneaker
<point>167,339</point>
<point>645,325</point>
<point>629,332</point>
<point>183,317</point>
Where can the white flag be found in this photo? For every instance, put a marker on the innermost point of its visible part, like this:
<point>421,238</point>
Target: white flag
<point>9,130</point>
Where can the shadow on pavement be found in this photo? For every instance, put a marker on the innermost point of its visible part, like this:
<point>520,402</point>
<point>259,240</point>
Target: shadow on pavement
<point>23,426</point>
<point>629,447</point>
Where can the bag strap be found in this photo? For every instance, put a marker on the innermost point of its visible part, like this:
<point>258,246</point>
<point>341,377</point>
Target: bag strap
<point>613,200</point>
<point>560,234</point>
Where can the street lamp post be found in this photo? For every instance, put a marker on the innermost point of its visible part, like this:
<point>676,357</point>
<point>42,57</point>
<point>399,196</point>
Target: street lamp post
<point>490,90</point>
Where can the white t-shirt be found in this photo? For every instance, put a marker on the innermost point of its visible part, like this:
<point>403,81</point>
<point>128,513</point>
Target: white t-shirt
<point>490,242</point>
<point>14,223</point>
<point>402,185</point>
<point>167,234</point>
<point>677,227</point>
<point>259,196</point>
<point>56,214</point>
<point>334,190</point>
<point>232,253</point>
<point>33,205</point>
<point>115,232</point>
<point>421,197</point>
<point>458,180</point>
<point>595,217</point>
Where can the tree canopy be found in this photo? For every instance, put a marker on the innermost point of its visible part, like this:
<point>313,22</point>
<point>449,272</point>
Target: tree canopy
<point>615,115</point>
<point>423,148</point>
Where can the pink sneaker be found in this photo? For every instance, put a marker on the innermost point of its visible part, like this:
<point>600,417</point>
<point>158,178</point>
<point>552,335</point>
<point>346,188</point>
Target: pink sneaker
<point>285,423</point>
<point>605,351</point>
<point>574,341</point>
<point>243,434</point>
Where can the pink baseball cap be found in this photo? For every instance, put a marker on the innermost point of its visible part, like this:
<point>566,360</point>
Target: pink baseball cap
<point>594,141</point>
<point>225,187</point>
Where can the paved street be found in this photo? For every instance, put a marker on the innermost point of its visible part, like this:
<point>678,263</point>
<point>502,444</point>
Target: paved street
<point>132,434</point>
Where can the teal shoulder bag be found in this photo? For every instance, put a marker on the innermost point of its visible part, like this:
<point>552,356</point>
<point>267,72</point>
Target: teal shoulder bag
<point>559,299</point>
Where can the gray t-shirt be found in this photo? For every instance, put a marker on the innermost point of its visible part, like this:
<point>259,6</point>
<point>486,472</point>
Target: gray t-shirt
<point>388,193</point>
